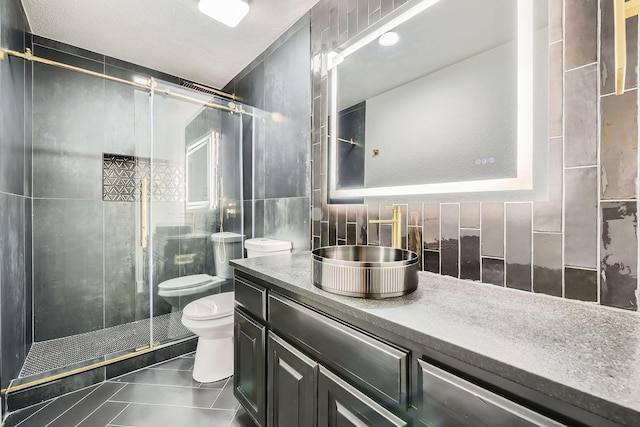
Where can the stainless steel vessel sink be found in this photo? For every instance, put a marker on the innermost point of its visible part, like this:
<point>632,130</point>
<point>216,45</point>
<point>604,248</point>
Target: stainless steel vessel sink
<point>365,271</point>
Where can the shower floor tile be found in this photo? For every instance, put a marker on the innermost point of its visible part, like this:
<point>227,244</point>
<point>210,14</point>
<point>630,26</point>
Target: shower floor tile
<point>46,356</point>
<point>130,400</point>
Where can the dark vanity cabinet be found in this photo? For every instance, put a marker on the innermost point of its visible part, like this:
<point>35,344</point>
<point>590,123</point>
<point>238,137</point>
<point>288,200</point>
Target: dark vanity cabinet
<point>297,366</point>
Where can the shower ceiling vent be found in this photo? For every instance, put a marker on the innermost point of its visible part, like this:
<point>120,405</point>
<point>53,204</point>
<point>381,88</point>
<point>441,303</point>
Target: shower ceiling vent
<point>207,90</point>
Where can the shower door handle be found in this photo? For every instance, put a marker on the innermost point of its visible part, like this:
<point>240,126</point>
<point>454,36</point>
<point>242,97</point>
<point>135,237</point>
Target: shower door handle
<point>144,217</point>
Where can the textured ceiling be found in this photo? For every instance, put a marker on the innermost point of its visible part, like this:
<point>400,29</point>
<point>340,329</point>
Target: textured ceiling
<point>171,36</point>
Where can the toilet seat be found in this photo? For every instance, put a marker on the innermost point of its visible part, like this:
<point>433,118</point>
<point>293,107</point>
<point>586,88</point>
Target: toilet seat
<point>210,308</point>
<point>187,285</point>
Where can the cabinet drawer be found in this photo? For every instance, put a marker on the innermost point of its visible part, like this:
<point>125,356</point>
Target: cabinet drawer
<point>445,399</point>
<point>369,363</point>
<point>251,297</point>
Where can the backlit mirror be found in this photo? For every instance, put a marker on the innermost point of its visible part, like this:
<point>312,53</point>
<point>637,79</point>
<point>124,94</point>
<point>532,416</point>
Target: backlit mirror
<point>199,173</point>
<point>457,104</point>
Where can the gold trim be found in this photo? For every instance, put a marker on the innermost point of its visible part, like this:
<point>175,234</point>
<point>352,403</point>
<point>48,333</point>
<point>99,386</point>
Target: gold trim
<point>152,85</point>
<point>137,352</point>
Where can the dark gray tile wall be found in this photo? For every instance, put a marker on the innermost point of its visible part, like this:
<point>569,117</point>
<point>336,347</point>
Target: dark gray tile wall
<point>15,194</point>
<point>278,164</point>
<point>548,246</point>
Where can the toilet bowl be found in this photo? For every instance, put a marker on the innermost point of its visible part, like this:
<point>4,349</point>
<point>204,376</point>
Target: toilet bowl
<point>211,318</point>
<point>182,290</point>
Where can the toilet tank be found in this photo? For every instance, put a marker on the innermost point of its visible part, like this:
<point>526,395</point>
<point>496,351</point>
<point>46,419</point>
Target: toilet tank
<point>226,246</point>
<point>263,247</point>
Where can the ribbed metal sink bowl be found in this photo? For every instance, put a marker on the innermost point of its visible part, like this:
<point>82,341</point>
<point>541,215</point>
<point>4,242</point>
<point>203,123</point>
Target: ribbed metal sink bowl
<point>365,271</point>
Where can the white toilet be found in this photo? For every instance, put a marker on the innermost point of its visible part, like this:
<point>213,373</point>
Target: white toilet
<point>211,317</point>
<point>181,291</point>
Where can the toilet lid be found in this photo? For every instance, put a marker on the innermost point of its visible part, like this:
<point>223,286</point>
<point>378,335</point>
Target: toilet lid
<point>185,282</point>
<point>211,307</point>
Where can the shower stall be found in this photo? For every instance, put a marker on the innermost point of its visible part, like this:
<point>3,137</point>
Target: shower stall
<point>131,177</point>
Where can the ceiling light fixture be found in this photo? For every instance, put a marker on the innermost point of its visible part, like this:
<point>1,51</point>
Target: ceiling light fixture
<point>229,12</point>
<point>388,39</point>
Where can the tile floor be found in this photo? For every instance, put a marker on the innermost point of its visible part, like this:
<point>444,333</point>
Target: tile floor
<point>160,395</point>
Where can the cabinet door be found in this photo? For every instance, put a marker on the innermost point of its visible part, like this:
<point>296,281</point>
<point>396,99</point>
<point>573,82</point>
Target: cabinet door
<point>249,366</point>
<point>341,405</point>
<point>291,384</point>
<point>445,400</point>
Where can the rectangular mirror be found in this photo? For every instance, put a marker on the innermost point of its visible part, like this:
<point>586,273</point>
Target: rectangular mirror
<point>199,173</point>
<point>457,104</point>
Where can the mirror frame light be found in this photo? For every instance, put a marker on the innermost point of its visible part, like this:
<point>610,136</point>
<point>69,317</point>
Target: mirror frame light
<point>524,167</point>
<point>207,142</point>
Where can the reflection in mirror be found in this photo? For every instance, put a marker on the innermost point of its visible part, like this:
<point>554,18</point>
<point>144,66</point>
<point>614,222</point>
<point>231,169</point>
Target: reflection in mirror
<point>458,103</point>
<point>200,173</point>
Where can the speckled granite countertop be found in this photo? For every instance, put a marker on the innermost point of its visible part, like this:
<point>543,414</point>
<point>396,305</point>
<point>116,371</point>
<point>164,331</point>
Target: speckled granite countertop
<point>584,354</point>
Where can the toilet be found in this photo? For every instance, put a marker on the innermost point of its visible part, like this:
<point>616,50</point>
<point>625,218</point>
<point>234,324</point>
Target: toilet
<point>183,290</point>
<point>211,317</point>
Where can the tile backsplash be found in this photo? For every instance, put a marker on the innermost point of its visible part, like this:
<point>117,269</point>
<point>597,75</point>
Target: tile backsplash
<point>581,243</point>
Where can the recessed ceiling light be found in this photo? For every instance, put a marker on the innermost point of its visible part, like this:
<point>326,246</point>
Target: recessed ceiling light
<point>388,39</point>
<point>229,12</point>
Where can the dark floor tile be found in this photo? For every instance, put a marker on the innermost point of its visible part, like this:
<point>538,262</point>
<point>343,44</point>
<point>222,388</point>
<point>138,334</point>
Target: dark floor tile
<point>167,395</point>
<point>218,384</point>
<point>57,408</point>
<point>179,364</point>
<point>159,377</point>
<point>226,399</point>
<point>242,419</point>
<point>104,414</point>
<point>86,406</point>
<point>17,417</point>
<point>140,415</point>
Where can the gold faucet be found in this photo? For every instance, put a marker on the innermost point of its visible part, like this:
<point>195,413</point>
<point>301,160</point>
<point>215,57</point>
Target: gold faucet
<point>396,234</point>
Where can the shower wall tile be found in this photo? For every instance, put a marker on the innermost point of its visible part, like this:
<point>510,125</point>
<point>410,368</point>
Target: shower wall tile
<point>470,215</point>
<point>288,219</point>
<point>555,89</point>
<point>607,50</point>
<point>469,254</point>
<point>333,224</point>
<point>619,146</point>
<point>28,207</point>
<point>547,215</point>
<point>493,229</point>
<point>581,30</point>
<point>14,282</point>
<point>493,271</point>
<point>581,116</point>
<point>287,129</point>
<point>547,264</point>
<point>431,226</point>
<point>581,218</point>
<point>431,261</point>
<point>259,222</point>
<point>69,280</point>
<point>450,226</point>
<point>581,284</point>
<point>12,112</point>
<point>518,245</point>
<point>363,15</point>
<point>555,21</point>
<point>119,263</point>
<point>619,255</point>
<point>68,132</point>
<point>119,116</point>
